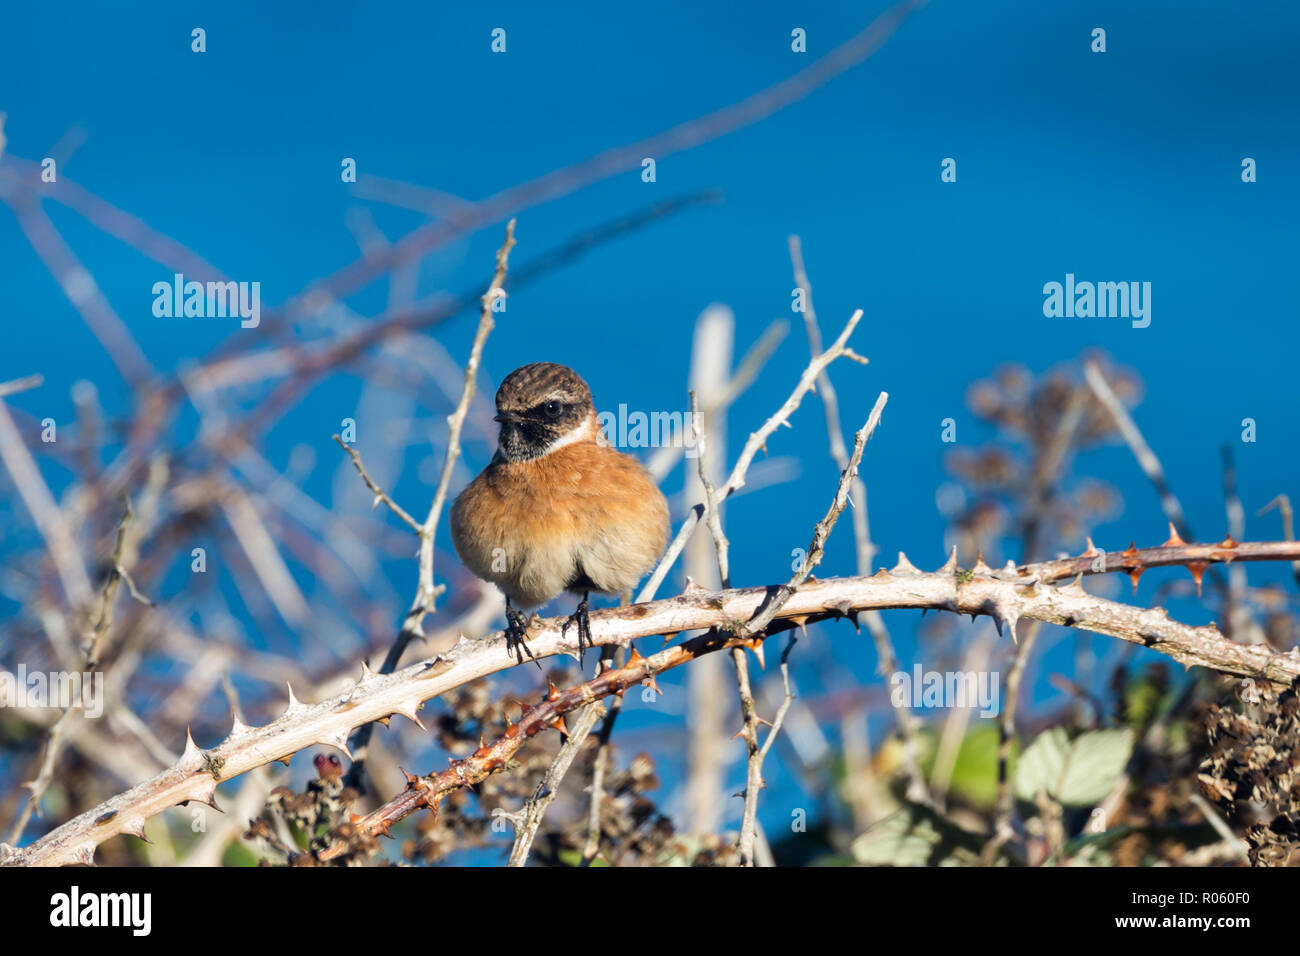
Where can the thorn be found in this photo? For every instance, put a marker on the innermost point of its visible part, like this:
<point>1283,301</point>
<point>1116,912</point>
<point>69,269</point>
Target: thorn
<point>384,720</point>
<point>512,729</point>
<point>652,684</point>
<point>950,565</point>
<point>210,796</point>
<point>669,638</point>
<point>1133,576</point>
<point>238,729</point>
<point>1174,540</point>
<point>338,741</point>
<point>1075,587</point>
<point>1012,617</point>
<point>552,692</point>
<point>366,673</point>
<point>411,716</point>
<point>1228,545</point>
<point>191,755</point>
<point>756,648</point>
<point>634,656</point>
<point>295,705</point>
<point>135,827</point>
<point>1091,551</point>
<point>802,621</point>
<point>853,616</point>
<point>980,566</point>
<point>559,724</point>
<point>1198,569</point>
<point>1130,552</point>
<point>904,566</point>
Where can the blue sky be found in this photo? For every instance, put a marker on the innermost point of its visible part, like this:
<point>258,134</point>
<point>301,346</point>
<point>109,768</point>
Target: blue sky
<point>1117,166</point>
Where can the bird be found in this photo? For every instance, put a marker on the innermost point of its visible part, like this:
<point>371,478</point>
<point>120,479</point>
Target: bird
<point>558,508</point>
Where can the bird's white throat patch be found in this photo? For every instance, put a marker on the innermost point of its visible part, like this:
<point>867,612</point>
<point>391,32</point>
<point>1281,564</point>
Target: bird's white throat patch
<point>588,430</point>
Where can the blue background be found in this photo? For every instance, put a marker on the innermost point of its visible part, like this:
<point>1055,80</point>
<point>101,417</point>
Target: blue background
<point>1122,166</point>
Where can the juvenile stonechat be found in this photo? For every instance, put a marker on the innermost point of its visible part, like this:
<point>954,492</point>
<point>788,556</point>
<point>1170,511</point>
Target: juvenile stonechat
<point>557,509</point>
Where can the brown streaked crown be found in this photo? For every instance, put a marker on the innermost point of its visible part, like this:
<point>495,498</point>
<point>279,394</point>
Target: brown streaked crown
<point>537,405</point>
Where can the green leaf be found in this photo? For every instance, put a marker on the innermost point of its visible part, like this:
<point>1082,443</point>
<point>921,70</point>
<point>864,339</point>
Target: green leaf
<point>915,836</point>
<point>975,772</point>
<point>1076,773</point>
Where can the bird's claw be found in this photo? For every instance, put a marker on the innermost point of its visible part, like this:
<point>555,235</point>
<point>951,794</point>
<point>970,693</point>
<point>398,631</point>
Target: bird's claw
<point>517,635</point>
<point>580,618</point>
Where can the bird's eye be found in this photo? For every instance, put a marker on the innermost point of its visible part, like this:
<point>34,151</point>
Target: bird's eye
<point>552,409</point>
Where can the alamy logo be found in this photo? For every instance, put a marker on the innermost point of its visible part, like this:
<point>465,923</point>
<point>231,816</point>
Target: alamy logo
<point>210,300</point>
<point>653,430</point>
<point>1103,300</point>
<point>130,910</point>
<point>60,689</point>
<point>961,689</point>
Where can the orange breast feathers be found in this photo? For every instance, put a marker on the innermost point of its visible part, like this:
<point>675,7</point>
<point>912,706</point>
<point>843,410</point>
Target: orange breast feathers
<point>537,527</point>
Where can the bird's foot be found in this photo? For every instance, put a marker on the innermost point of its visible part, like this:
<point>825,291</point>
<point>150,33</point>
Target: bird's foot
<point>581,619</point>
<point>517,635</point>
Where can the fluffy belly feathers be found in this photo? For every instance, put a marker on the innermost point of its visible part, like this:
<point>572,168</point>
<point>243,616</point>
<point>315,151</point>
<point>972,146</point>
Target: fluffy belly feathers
<point>535,528</point>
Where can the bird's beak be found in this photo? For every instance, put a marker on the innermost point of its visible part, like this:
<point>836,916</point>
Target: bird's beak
<point>507,417</point>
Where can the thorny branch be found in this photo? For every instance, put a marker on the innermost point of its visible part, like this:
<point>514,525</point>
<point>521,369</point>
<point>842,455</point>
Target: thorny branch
<point>1007,595</point>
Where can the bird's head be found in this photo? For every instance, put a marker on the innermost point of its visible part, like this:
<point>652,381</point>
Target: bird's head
<point>542,407</point>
